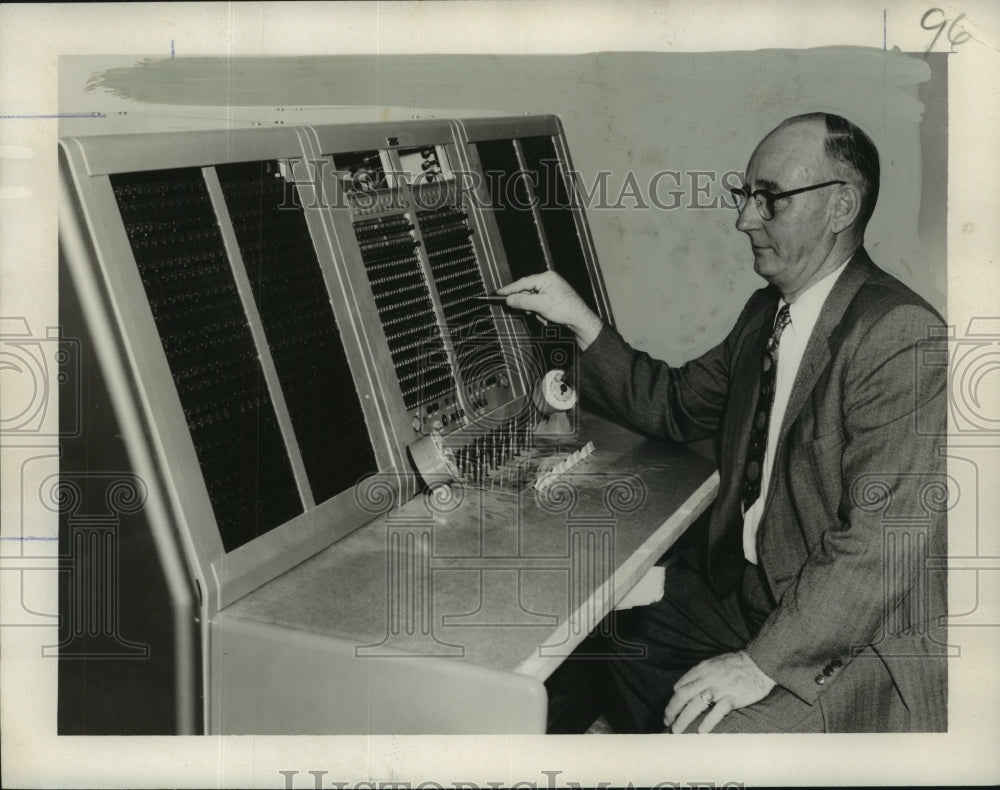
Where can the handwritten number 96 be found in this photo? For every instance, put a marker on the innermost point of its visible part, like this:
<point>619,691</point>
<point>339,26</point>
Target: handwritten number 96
<point>955,36</point>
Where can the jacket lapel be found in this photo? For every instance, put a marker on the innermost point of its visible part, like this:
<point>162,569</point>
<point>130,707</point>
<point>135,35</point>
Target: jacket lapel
<point>818,352</point>
<point>725,532</point>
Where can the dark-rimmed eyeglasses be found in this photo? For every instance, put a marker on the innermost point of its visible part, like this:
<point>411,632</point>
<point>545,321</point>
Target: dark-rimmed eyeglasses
<point>765,199</point>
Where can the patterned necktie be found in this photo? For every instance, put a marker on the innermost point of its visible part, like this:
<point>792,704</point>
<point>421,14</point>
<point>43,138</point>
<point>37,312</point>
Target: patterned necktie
<point>762,417</point>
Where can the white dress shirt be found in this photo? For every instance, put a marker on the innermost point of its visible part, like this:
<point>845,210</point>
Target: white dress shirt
<point>804,313</point>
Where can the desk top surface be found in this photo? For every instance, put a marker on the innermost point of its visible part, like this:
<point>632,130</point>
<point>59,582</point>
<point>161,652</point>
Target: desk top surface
<point>511,580</point>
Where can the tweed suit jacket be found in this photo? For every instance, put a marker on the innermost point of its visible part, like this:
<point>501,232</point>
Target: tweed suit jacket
<point>857,495</point>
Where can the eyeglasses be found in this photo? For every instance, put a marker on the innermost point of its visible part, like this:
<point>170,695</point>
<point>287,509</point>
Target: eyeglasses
<point>765,200</point>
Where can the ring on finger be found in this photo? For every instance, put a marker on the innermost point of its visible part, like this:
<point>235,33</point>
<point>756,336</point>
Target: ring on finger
<point>707,697</point>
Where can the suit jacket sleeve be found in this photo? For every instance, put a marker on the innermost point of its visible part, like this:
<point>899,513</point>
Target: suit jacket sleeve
<point>852,581</point>
<point>660,401</point>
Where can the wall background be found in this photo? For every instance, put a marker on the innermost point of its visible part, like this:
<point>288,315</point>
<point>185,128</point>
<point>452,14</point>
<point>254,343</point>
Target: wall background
<point>678,273</point>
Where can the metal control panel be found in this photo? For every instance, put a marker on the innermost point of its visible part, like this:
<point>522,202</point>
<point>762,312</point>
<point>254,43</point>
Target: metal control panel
<point>307,305</point>
<point>280,314</point>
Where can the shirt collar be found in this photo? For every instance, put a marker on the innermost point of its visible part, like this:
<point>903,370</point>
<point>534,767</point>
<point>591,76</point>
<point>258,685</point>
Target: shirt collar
<point>806,309</point>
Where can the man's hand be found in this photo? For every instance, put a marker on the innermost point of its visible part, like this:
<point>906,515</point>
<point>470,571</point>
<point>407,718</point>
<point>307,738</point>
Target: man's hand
<point>552,298</point>
<point>723,683</point>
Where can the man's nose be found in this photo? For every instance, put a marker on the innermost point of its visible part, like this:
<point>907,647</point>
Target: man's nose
<point>749,217</point>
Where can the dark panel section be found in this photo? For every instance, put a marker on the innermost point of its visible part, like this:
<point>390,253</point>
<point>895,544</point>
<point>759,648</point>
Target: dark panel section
<point>511,200</point>
<point>404,305</point>
<point>576,688</point>
<point>179,251</point>
<point>117,634</point>
<point>360,170</point>
<point>459,281</point>
<point>301,329</point>
<point>565,245</point>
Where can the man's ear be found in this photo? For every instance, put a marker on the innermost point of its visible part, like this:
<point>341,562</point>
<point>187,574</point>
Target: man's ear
<point>847,208</point>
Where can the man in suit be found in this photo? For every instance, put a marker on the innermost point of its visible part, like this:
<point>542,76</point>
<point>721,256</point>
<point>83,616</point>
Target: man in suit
<point>812,607</point>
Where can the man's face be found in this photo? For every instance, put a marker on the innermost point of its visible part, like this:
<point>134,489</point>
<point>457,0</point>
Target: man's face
<point>790,248</point>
